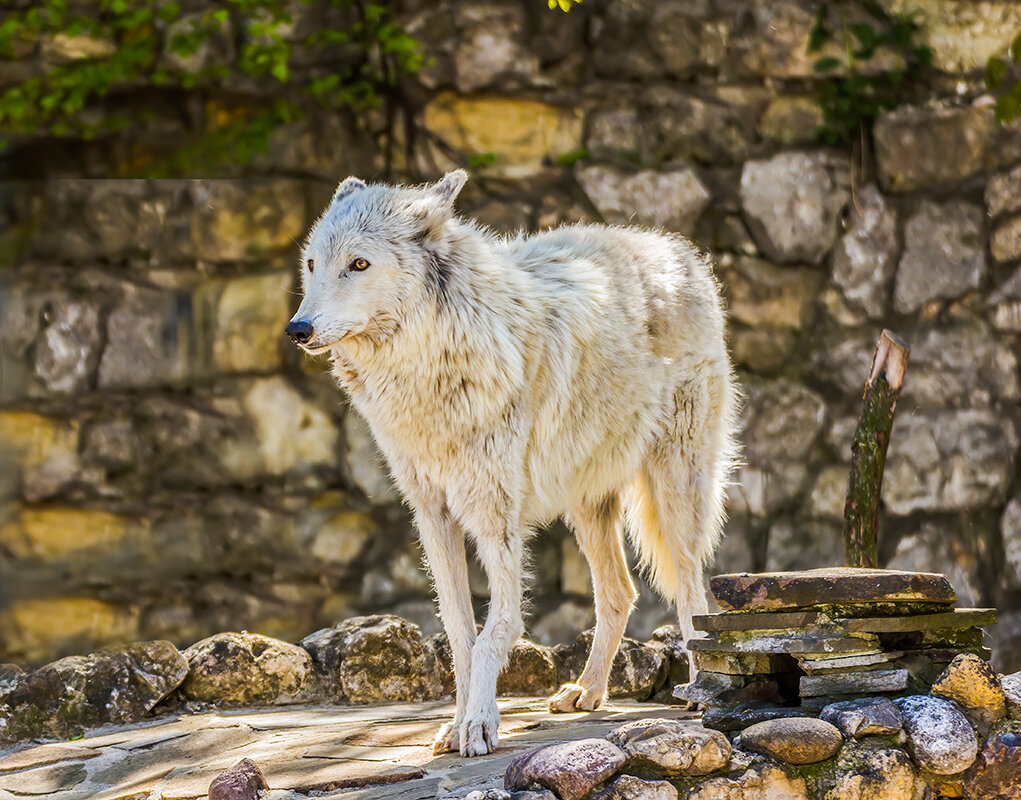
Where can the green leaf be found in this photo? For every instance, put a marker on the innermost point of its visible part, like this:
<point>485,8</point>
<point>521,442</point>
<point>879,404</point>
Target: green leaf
<point>279,71</point>
<point>819,35</point>
<point>826,64</point>
<point>1015,49</point>
<point>996,71</point>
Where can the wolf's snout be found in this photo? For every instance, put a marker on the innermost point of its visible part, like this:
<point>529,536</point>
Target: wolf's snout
<point>299,331</point>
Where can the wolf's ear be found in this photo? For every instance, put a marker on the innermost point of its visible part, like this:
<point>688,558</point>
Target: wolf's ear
<point>435,205</point>
<point>347,186</point>
<point>450,185</point>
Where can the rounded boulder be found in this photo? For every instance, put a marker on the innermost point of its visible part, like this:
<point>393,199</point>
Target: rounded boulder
<point>940,738</point>
<point>667,748</point>
<point>795,740</point>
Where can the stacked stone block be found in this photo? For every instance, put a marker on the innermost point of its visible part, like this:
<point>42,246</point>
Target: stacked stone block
<point>793,643</point>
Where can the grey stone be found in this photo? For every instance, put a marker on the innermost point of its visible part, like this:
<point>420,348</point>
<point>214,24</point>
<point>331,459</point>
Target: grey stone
<point>1011,685</point>
<point>243,781</point>
<point>764,295</point>
<point>571,770</point>
<point>796,740</point>
<point>948,461</point>
<point>961,366</point>
<point>247,220</point>
<point>628,787</point>
<point>673,199</point>
<point>866,682</point>
<point>1005,242</point>
<point>1005,303</point>
<point>864,717</point>
<point>921,148</point>
<point>780,423</point>
<point>1003,193</point>
<point>67,349</point>
<point>531,670</point>
<point>761,780</point>
<point>874,773</point>
<point>671,749</point>
<point>564,623</point>
<point>865,258</point>
<point>612,131</point>
<point>944,254</point>
<point>147,340</point>
<point>364,461</point>
<point>120,684</point>
<point>368,659</point>
<point>805,544</point>
<point>678,127</point>
<point>239,669</point>
<point>940,739</point>
<point>489,46</point>
<point>638,669</point>
<point>792,202</point>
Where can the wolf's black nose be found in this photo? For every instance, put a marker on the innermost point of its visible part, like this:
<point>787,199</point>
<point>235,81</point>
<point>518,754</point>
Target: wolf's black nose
<point>299,331</point>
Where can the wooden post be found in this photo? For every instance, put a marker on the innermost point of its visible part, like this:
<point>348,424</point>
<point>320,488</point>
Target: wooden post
<point>868,450</point>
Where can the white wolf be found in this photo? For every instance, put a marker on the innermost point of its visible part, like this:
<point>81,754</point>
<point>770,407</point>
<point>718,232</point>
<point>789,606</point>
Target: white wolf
<point>581,371</point>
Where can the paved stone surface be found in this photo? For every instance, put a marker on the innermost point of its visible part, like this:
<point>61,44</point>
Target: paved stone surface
<point>773,591</point>
<point>380,752</point>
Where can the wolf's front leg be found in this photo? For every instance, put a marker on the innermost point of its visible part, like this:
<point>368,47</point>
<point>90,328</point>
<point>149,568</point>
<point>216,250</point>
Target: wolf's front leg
<point>443,542</point>
<point>501,557</point>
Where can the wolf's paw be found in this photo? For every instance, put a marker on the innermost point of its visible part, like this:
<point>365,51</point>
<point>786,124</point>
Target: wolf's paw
<point>448,739</point>
<point>479,732</point>
<point>574,697</point>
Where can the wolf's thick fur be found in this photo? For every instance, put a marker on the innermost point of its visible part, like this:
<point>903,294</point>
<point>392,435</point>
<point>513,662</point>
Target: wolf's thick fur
<point>580,372</point>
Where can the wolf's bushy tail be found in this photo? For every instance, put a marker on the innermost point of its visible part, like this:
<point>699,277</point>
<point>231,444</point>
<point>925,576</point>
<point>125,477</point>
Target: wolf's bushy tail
<point>674,505</point>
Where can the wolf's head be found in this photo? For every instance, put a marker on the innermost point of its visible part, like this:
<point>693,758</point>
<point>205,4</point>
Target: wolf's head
<point>374,248</point>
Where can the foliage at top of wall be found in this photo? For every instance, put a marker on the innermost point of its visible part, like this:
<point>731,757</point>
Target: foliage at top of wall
<point>1004,79</point>
<point>881,65</point>
<point>198,48</point>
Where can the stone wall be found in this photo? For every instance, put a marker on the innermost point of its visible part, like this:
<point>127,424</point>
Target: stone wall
<point>171,467</point>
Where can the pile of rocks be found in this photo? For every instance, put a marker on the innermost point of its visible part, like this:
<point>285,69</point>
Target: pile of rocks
<point>360,660</point>
<point>793,643</point>
<point>961,740</point>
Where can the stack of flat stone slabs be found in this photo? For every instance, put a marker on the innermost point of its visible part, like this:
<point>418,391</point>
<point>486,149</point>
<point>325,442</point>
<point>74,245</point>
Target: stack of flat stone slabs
<point>790,643</point>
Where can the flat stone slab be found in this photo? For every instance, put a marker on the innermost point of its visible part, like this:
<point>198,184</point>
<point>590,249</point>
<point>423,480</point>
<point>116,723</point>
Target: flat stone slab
<point>791,644</point>
<point>744,663</point>
<point>378,752</point>
<point>775,591</point>
<point>950,620</point>
<point>869,661</point>
<point>887,680</point>
<point>714,623</point>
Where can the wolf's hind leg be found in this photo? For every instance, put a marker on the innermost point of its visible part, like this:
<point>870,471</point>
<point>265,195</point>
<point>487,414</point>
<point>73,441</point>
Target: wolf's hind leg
<point>599,530</point>
<point>443,542</point>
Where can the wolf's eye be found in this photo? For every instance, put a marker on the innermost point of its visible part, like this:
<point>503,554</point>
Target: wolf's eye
<point>359,264</point>
<point>311,264</point>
